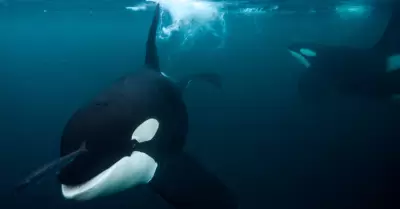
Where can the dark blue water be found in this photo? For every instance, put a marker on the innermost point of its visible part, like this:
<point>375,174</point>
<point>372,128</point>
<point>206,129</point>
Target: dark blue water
<point>256,134</point>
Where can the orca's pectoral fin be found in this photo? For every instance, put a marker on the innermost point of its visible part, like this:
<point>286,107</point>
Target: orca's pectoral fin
<point>185,184</point>
<point>151,60</point>
<point>211,78</point>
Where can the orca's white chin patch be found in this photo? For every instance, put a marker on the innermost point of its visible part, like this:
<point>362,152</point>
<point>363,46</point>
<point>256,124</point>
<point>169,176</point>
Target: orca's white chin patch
<point>300,58</point>
<point>139,168</point>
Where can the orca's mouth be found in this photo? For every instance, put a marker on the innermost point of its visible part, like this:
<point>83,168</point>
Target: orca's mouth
<point>86,171</point>
<point>300,58</point>
<point>87,166</point>
<point>88,189</point>
<point>70,191</point>
<point>92,175</point>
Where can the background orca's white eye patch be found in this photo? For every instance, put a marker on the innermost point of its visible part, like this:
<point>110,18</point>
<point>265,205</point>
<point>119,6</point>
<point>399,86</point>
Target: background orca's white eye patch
<point>146,131</point>
<point>165,75</point>
<point>308,52</point>
<point>300,58</point>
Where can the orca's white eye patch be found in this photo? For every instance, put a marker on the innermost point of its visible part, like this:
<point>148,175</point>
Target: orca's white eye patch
<point>308,52</point>
<point>146,130</point>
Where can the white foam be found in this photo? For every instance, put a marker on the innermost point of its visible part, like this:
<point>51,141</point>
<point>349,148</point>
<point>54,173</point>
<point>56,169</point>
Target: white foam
<point>191,18</point>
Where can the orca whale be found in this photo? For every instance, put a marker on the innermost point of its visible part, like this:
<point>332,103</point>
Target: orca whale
<point>370,72</point>
<point>135,132</point>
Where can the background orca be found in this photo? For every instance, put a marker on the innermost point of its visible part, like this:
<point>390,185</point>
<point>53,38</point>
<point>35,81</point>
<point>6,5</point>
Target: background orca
<point>372,72</point>
<point>135,132</point>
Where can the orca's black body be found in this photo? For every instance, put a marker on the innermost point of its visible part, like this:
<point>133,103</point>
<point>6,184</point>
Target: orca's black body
<point>135,132</point>
<point>370,72</point>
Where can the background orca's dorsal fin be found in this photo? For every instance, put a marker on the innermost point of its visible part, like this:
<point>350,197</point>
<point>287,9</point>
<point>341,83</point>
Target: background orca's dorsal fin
<point>151,60</point>
<point>390,40</point>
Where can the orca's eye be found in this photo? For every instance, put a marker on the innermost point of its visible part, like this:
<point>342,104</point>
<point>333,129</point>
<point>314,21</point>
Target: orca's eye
<point>146,130</point>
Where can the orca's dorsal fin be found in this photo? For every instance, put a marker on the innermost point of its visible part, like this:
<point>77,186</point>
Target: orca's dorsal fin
<point>151,60</point>
<point>390,39</point>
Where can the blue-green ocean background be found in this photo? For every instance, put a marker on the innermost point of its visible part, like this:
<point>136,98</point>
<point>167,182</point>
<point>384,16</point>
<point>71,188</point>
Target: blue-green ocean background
<point>256,134</point>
